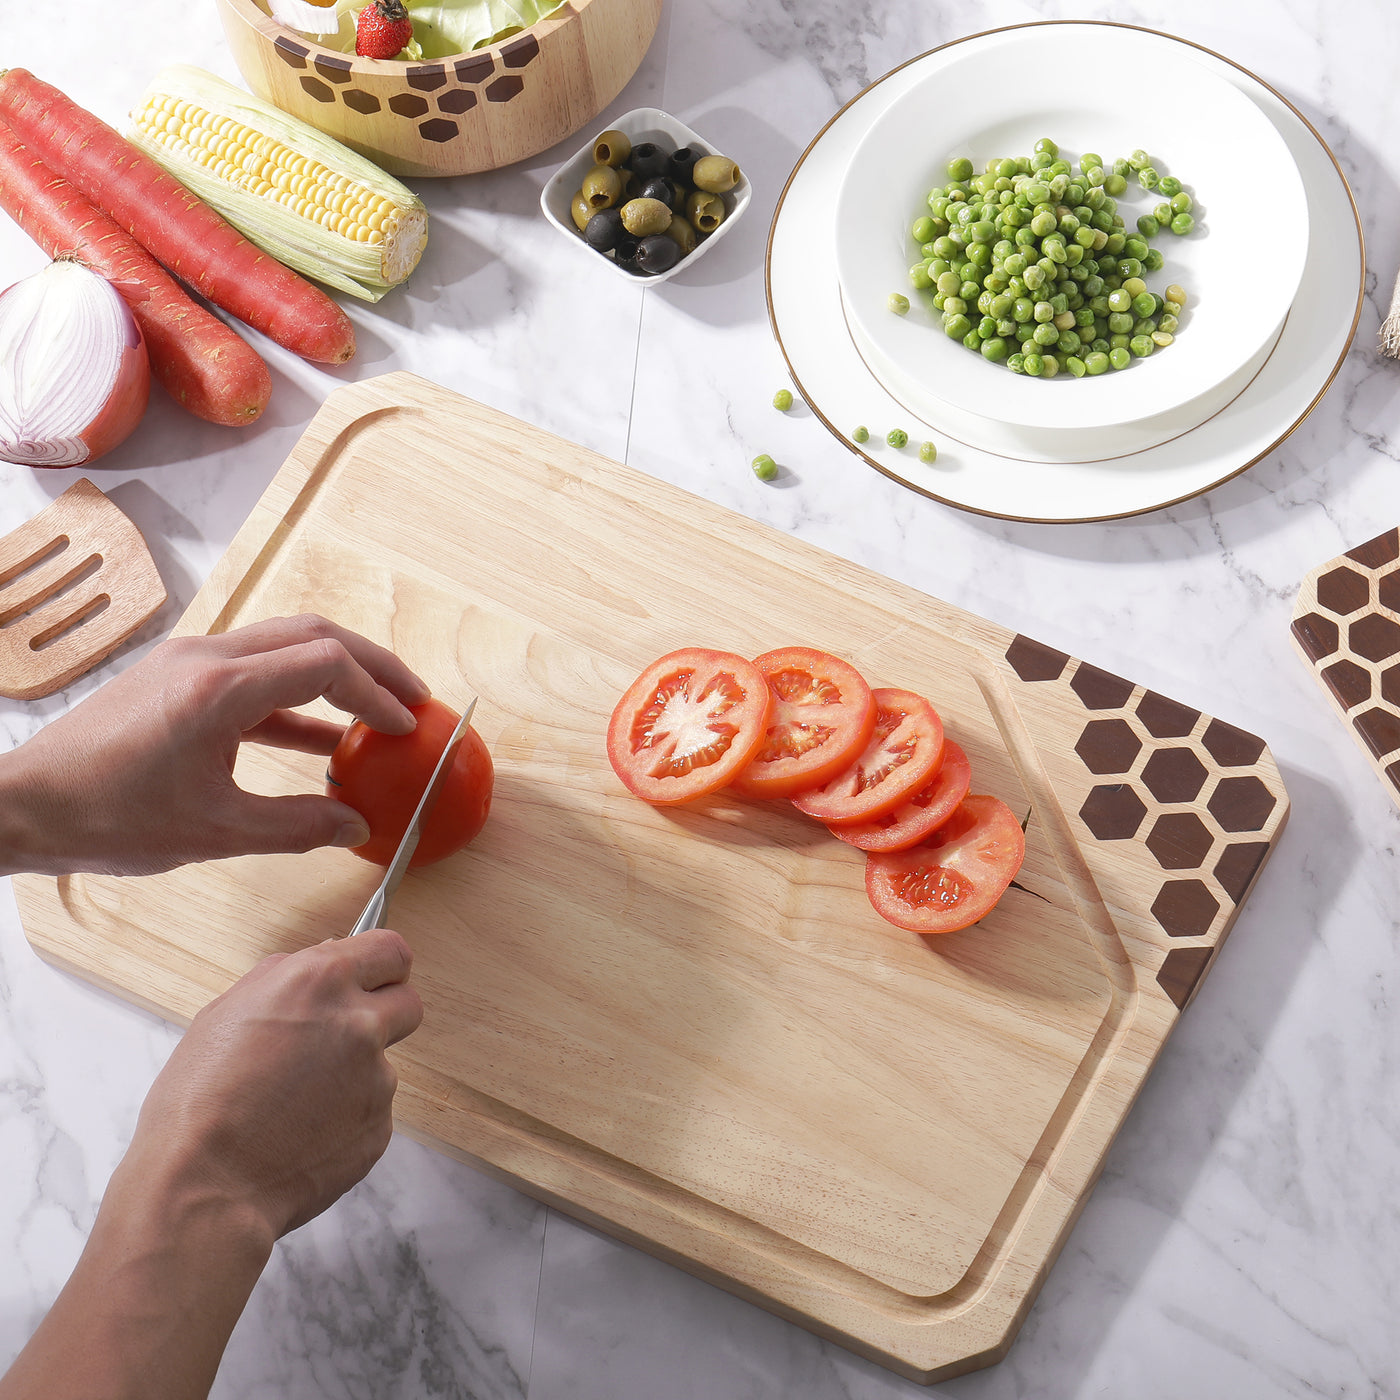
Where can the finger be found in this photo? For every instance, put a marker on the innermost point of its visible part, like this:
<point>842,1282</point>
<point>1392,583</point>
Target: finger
<point>381,958</point>
<point>297,674</point>
<point>286,729</point>
<point>274,633</point>
<point>302,822</point>
<point>399,1008</point>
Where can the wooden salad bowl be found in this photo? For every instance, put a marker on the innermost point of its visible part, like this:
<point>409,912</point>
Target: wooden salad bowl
<point>453,116</point>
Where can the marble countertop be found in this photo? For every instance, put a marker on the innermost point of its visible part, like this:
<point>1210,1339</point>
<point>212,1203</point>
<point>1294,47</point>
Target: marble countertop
<point>1243,1240</point>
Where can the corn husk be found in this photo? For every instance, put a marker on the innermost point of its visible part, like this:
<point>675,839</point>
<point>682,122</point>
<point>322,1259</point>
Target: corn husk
<point>271,175</point>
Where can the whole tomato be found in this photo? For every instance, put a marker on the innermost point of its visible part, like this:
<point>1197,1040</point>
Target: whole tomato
<point>382,776</point>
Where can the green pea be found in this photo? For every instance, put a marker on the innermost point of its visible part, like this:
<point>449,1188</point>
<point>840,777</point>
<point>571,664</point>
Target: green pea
<point>898,303</point>
<point>1133,283</point>
<point>1148,226</point>
<point>1006,169</point>
<point>1141,346</point>
<point>861,434</point>
<point>956,325</point>
<point>1120,323</point>
<point>1170,324</point>
<point>1148,178</point>
<point>928,452</point>
<point>1120,299</point>
<point>1163,213</point>
<point>1022,309</point>
<point>972,341</point>
<point>1118,342</point>
<point>1183,224</point>
<point>1050,367</point>
<point>1034,365</point>
<point>949,284</point>
<point>1016,363</point>
<point>1144,325</point>
<point>764,467</point>
<point>1139,159</point>
<point>919,277</point>
<point>897,437</point>
<point>1096,362</point>
<point>1145,304</point>
<point>1075,366</point>
<point>960,168</point>
<point>1046,147</point>
<point>1046,334</point>
<point>1119,357</point>
<point>923,229</point>
<point>1115,185</point>
<point>1154,260</point>
<point>987,327</point>
<point>1135,247</point>
<point>782,400</point>
<point>1181,203</point>
<point>954,306</point>
<point>1089,160</point>
<point>1170,186</point>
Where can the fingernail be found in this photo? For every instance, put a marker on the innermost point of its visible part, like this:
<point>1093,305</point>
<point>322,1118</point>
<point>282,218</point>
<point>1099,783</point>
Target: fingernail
<point>351,834</point>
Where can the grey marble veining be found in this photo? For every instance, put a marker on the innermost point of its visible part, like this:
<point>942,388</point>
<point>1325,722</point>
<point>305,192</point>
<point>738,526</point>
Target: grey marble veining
<point>1243,1241</point>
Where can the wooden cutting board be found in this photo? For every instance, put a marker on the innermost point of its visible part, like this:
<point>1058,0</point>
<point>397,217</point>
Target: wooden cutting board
<point>688,1027</point>
<point>1346,625</point>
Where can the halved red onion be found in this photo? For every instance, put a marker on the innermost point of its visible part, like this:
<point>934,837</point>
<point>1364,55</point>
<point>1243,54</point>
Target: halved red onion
<point>74,375</point>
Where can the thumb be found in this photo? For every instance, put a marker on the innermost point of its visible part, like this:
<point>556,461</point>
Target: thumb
<point>302,823</point>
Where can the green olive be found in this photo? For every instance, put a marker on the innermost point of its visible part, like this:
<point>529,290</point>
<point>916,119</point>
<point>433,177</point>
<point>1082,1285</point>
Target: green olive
<point>705,210</point>
<point>683,231</point>
<point>601,187</point>
<point>612,148</point>
<point>715,174</point>
<point>582,211</point>
<point>645,216</point>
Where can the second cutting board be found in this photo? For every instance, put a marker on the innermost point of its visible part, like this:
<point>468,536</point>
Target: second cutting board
<point>687,1026</point>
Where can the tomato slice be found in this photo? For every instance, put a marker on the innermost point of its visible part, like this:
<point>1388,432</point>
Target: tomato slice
<point>953,877</point>
<point>921,815</point>
<point>688,724</point>
<point>382,776</point>
<point>903,753</point>
<point>823,716</point>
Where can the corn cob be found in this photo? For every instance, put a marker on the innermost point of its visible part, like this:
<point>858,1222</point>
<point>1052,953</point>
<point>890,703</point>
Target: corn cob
<point>297,193</point>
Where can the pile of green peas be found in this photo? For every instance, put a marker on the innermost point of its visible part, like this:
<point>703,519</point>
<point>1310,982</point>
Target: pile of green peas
<point>1032,266</point>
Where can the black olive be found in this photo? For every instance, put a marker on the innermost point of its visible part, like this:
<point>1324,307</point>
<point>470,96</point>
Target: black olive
<point>625,250</point>
<point>648,160</point>
<point>604,229</point>
<point>657,188</point>
<point>658,254</point>
<point>680,162</point>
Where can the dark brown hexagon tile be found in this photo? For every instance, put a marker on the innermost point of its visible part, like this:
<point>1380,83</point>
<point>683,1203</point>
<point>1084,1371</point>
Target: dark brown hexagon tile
<point>290,52</point>
<point>365,103</point>
<point>1390,686</point>
<point>316,88</point>
<point>1380,729</point>
<point>1100,690</point>
<point>521,52</point>
<point>1377,553</point>
<point>1318,636</point>
<point>1231,747</point>
<point>1181,970</point>
<point>1166,719</point>
<point>1185,908</point>
<point>1388,591</point>
<point>1113,812</point>
<point>1343,591</point>
<point>474,67</point>
<point>1034,661</point>
<point>1350,683</point>
<point>408,104</point>
<point>1108,746</point>
<point>1238,865</point>
<point>1174,775</point>
<point>504,88</point>
<point>1375,637</point>
<point>1180,841</point>
<point>439,129</point>
<point>427,78</point>
<point>1241,804</point>
<point>457,101</point>
<point>333,67</point>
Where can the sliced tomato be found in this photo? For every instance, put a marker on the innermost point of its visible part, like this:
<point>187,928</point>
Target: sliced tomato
<point>823,716</point>
<point>903,753</point>
<point>953,877</point>
<point>921,815</point>
<point>688,724</point>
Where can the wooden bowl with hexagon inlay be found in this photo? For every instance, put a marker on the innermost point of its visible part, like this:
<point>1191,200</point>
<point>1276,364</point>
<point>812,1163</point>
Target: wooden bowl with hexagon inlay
<point>453,116</point>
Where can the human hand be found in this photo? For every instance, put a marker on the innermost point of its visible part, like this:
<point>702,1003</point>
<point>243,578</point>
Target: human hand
<point>138,778</point>
<point>279,1097</point>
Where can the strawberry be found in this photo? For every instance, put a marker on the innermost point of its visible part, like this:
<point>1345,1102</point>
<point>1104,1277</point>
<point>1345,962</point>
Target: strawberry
<point>382,29</point>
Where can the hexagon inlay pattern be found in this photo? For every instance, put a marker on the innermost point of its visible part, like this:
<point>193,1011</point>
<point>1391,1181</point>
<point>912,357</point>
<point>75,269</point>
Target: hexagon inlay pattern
<point>1113,813</point>
<point>1174,775</point>
<point>1346,623</point>
<point>1108,746</point>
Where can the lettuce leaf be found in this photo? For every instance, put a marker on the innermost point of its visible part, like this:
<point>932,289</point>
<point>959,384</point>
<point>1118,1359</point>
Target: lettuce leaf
<point>442,28</point>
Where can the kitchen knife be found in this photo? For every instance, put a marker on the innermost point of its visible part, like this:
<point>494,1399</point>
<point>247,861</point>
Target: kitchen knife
<point>379,900</point>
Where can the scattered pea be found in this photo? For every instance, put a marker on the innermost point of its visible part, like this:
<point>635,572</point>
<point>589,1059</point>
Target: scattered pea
<point>899,304</point>
<point>897,437</point>
<point>764,467</point>
<point>1182,224</point>
<point>782,400</point>
<point>861,434</point>
<point>928,452</point>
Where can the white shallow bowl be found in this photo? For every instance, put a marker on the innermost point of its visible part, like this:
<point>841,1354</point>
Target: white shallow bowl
<point>1241,267</point>
<point>640,124</point>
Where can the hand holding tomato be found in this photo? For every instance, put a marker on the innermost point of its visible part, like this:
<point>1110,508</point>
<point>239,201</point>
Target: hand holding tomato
<point>138,778</point>
<point>382,776</point>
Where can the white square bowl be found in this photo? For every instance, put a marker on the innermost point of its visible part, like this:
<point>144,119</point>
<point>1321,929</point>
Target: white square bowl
<point>641,124</point>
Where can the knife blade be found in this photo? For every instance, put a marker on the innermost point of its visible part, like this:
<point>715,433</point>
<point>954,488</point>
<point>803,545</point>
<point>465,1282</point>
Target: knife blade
<point>373,912</point>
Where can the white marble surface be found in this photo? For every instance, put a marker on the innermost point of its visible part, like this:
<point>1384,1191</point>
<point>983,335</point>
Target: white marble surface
<point>1243,1241</point>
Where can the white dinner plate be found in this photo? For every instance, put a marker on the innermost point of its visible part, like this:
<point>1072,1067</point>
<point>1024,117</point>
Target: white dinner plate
<point>993,102</point>
<point>806,312</point>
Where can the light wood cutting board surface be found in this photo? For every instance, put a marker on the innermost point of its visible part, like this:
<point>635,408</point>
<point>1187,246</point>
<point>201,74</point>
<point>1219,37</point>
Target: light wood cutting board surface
<point>688,1026</point>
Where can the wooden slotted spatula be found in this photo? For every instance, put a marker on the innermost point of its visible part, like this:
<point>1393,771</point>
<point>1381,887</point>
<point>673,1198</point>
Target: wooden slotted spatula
<point>75,582</point>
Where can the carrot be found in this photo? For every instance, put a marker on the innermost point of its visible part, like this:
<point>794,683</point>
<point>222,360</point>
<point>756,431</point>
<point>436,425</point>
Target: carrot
<point>173,224</point>
<point>200,361</point>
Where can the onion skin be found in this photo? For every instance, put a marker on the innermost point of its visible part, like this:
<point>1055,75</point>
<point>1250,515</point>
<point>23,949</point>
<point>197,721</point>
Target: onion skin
<point>118,414</point>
